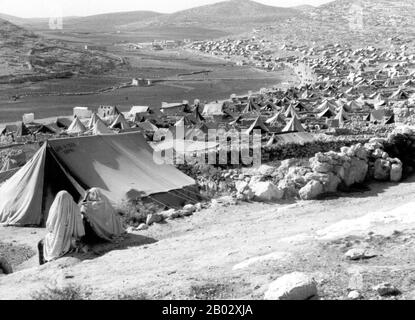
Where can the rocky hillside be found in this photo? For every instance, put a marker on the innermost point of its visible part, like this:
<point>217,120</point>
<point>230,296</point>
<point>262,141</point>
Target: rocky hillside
<point>25,56</point>
<point>360,22</point>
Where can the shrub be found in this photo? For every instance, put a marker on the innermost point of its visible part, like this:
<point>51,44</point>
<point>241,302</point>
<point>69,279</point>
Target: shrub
<point>68,292</point>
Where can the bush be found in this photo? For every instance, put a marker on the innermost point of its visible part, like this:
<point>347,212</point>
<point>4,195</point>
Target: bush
<point>68,292</point>
<point>134,213</point>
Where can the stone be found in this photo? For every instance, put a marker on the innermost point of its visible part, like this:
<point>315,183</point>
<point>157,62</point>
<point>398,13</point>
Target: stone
<point>153,218</point>
<point>142,226</point>
<point>240,186</point>
<point>396,172</point>
<point>5,266</point>
<point>311,190</point>
<point>382,170</point>
<point>169,214</point>
<point>354,295</point>
<point>198,206</point>
<point>292,286</point>
<point>321,167</point>
<point>266,191</point>
<point>386,289</point>
<point>355,172</point>
<point>358,253</point>
<point>189,207</point>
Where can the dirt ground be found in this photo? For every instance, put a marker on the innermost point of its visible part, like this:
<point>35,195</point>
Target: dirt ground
<point>236,251</point>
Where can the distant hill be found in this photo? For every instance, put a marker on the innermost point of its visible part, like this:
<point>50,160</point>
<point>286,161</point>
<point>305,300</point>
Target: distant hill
<point>231,14</point>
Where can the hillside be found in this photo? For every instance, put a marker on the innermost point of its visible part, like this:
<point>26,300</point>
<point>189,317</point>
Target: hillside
<point>233,15</point>
<point>25,56</point>
<point>364,22</point>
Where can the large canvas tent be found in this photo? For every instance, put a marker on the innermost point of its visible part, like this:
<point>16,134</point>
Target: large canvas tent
<point>121,165</point>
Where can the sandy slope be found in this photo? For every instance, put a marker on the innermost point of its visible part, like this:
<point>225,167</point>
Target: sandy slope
<point>207,255</point>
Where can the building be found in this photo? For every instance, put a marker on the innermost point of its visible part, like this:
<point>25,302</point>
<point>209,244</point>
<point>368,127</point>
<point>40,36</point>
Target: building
<point>82,112</point>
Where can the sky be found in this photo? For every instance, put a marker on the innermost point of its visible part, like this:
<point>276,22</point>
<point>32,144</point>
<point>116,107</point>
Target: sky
<point>53,8</point>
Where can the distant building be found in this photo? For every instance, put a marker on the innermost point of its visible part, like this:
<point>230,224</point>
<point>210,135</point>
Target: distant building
<point>82,112</point>
<point>97,48</point>
<point>139,82</point>
<point>28,118</point>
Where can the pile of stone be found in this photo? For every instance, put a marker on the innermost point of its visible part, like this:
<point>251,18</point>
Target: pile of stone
<point>326,173</point>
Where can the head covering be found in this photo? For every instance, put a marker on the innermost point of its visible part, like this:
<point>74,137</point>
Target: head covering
<point>101,215</point>
<point>64,225</point>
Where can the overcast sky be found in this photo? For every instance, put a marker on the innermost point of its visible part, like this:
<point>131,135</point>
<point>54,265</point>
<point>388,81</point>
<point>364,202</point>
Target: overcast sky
<point>48,8</point>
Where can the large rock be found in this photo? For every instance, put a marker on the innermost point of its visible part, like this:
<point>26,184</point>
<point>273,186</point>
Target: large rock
<point>266,191</point>
<point>292,286</point>
<point>5,266</point>
<point>382,170</point>
<point>396,172</point>
<point>311,190</point>
<point>329,180</point>
<point>354,172</point>
<point>386,289</point>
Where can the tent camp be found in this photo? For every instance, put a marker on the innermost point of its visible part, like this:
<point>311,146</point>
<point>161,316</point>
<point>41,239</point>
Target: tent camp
<point>121,165</point>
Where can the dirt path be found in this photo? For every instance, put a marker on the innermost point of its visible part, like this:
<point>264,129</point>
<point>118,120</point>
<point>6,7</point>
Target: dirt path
<point>208,255</point>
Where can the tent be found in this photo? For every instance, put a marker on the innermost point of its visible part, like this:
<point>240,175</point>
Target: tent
<point>120,123</point>
<point>121,165</point>
<point>250,107</point>
<point>257,124</point>
<point>390,120</point>
<point>93,120</point>
<point>290,112</point>
<point>275,120</point>
<point>327,113</point>
<point>294,126</point>
<point>399,94</point>
<point>147,126</point>
<point>342,116</point>
<point>101,128</point>
<point>63,123</point>
<point>48,129</point>
<point>76,127</point>
<point>236,121</point>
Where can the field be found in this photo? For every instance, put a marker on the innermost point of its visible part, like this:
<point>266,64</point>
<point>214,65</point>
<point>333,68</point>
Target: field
<point>59,96</point>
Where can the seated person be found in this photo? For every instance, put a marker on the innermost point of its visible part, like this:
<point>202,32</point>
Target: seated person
<point>65,229</point>
<point>100,216</point>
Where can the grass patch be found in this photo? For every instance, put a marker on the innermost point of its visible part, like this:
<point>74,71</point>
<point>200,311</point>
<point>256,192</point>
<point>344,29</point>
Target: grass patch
<point>68,292</point>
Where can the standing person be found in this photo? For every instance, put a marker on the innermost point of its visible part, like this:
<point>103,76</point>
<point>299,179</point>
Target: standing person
<point>64,226</point>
